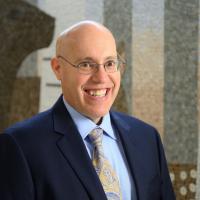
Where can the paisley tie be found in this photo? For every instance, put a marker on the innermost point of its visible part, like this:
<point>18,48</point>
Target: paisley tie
<point>106,173</point>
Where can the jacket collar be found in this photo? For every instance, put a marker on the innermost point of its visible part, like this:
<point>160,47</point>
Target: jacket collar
<point>127,132</point>
<point>73,149</point>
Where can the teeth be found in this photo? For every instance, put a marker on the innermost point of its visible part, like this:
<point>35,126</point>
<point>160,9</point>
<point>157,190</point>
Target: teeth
<point>98,93</point>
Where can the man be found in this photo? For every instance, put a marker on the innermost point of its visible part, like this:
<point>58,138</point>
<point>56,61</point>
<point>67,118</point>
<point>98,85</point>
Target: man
<point>54,156</point>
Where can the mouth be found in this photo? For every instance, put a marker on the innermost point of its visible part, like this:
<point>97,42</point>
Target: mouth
<point>97,92</point>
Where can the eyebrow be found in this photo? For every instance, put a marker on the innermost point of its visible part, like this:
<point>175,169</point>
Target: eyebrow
<point>93,60</point>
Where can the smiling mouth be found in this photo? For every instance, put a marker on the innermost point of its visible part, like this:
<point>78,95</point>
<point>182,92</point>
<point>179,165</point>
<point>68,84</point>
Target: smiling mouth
<point>97,93</point>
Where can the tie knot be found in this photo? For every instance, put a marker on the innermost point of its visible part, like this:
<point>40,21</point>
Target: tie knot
<point>96,136</point>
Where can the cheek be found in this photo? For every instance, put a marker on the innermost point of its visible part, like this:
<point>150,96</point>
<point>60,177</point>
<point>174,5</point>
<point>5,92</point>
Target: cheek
<point>117,80</point>
<point>73,84</point>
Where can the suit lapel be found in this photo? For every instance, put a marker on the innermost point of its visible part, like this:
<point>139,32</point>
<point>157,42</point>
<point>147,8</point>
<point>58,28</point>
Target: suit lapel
<point>74,151</point>
<point>132,153</point>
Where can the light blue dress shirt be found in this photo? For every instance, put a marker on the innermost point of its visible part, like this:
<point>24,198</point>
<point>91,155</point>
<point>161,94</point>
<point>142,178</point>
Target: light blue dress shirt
<point>110,146</point>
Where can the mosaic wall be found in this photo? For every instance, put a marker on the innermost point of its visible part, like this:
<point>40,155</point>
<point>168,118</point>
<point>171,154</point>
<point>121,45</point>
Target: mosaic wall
<point>180,92</point>
<point>121,27</point>
<point>148,61</point>
<point>162,52</point>
<point>184,178</point>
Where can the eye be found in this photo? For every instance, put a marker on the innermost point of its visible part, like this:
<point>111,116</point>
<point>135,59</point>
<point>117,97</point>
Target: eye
<point>85,65</point>
<point>110,63</point>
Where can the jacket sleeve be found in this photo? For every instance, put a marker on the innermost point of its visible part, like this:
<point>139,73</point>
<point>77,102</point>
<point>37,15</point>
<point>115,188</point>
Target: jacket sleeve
<point>167,192</point>
<point>15,177</point>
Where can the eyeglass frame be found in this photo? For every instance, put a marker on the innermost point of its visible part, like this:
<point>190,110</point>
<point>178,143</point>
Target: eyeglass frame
<point>119,60</point>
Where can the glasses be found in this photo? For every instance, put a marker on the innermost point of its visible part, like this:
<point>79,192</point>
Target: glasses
<point>88,67</point>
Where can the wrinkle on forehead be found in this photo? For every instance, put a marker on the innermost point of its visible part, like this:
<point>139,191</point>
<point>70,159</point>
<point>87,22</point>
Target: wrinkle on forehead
<point>78,30</point>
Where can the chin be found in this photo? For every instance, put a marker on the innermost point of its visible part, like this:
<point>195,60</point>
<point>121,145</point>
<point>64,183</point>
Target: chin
<point>96,112</point>
<point>98,115</point>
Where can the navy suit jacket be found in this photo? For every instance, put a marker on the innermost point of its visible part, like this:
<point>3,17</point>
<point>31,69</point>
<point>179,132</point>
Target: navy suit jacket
<point>44,158</point>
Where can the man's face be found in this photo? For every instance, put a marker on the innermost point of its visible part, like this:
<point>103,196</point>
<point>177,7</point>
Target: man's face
<point>92,94</point>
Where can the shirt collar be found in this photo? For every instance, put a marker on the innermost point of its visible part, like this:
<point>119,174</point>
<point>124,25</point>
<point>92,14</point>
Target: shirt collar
<point>85,125</point>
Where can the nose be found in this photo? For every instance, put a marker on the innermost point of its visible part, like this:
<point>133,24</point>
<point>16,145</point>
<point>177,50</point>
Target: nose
<point>100,75</point>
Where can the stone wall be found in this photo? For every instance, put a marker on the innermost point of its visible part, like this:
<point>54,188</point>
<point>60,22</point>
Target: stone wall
<point>24,28</point>
<point>25,99</point>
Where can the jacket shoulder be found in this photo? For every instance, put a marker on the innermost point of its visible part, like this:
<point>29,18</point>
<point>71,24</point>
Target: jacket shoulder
<point>37,122</point>
<point>130,120</point>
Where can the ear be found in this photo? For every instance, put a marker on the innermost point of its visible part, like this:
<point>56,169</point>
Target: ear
<point>56,67</point>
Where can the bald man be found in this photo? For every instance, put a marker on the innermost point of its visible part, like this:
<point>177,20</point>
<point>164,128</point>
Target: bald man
<point>80,149</point>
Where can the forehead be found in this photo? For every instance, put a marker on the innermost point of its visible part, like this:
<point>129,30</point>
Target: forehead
<point>87,40</point>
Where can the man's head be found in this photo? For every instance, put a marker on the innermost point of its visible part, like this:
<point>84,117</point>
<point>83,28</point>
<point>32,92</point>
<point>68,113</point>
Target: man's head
<point>91,94</point>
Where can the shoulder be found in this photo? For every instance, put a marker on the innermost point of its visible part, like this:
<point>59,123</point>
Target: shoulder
<point>134,127</point>
<point>38,122</point>
<point>42,122</point>
<point>130,121</point>
<point>144,135</point>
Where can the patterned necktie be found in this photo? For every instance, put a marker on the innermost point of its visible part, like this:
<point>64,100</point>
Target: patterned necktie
<point>103,168</point>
